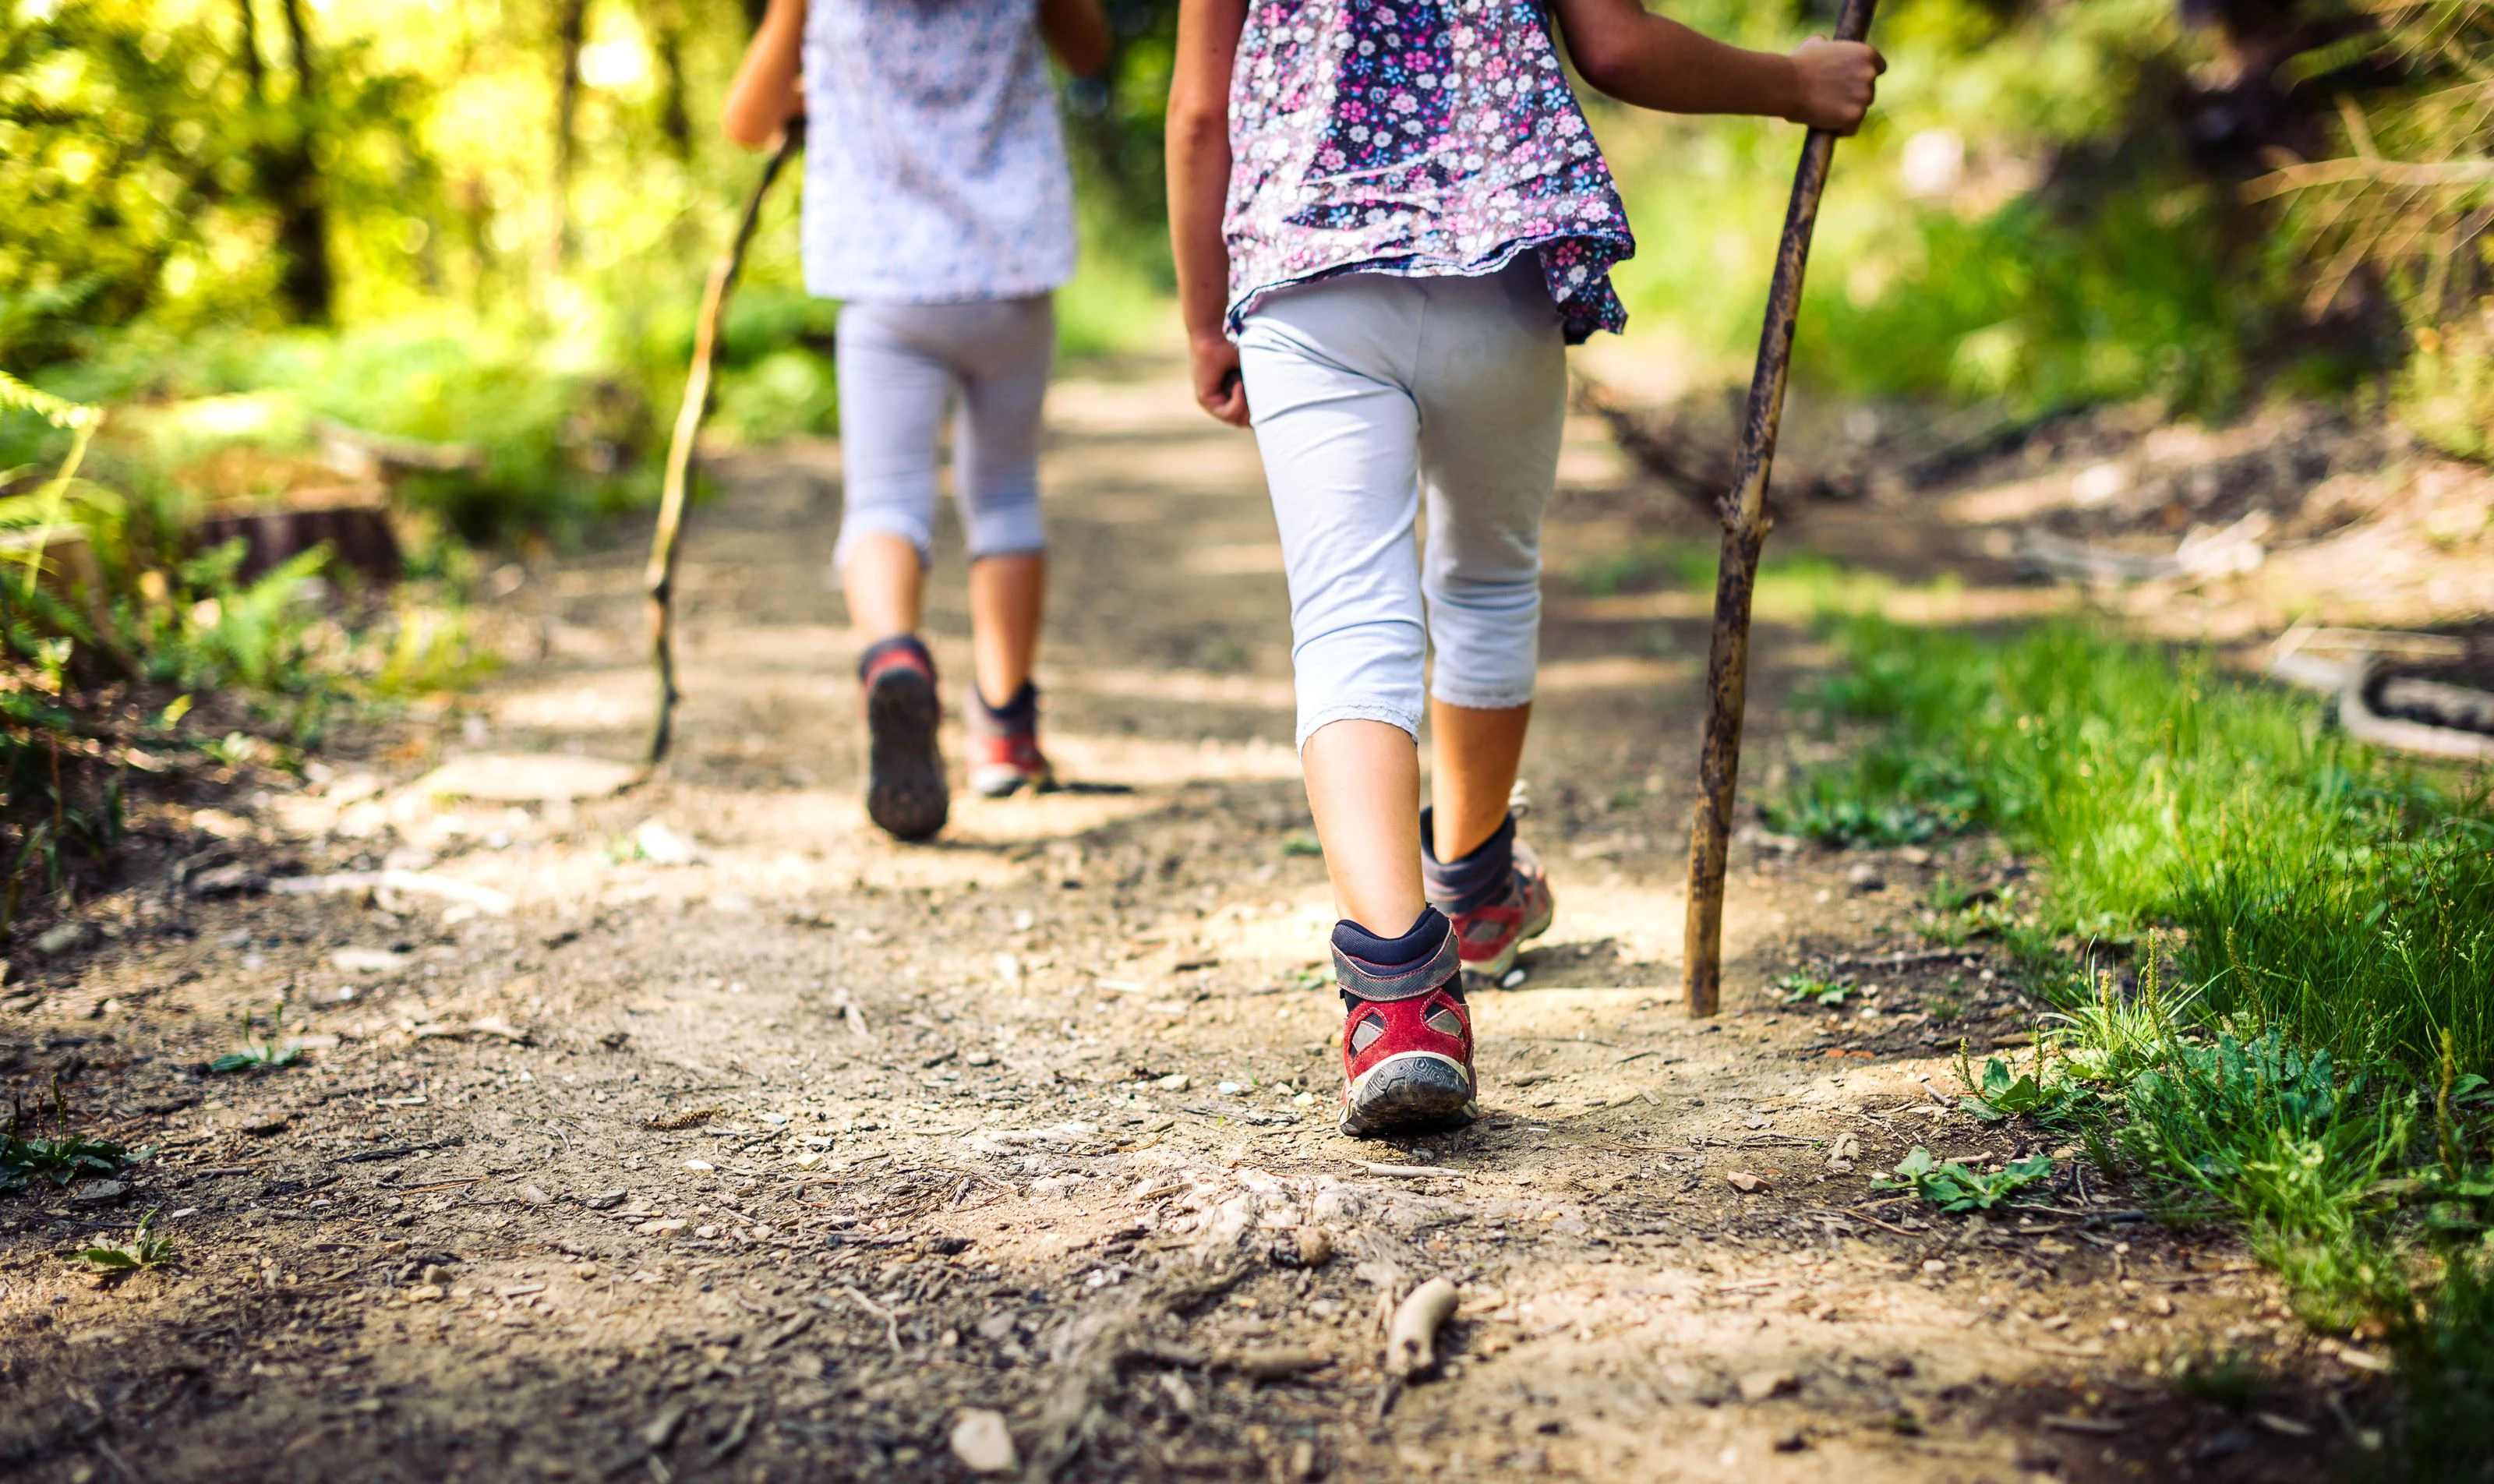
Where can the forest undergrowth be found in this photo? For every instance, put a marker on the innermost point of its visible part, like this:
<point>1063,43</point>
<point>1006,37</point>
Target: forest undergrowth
<point>2269,956</point>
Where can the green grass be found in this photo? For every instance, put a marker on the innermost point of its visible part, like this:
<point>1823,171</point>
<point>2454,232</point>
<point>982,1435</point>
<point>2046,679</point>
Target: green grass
<point>2307,884</point>
<point>2272,958</point>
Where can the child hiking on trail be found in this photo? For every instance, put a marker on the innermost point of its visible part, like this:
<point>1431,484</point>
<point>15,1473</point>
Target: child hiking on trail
<point>939,210</point>
<point>1390,219</point>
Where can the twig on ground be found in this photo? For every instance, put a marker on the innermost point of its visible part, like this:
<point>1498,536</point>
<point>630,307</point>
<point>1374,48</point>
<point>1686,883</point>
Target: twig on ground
<point>1856,1216</point>
<point>891,1321</point>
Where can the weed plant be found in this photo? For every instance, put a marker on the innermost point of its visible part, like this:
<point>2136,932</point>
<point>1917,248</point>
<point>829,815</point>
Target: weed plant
<point>2304,1047</point>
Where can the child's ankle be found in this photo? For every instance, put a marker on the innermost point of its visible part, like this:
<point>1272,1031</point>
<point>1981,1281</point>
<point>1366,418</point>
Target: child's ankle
<point>1020,714</point>
<point>1480,875</point>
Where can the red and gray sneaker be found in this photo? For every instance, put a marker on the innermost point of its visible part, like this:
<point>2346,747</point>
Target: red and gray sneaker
<point>905,792</point>
<point>1498,897</point>
<point>1004,746</point>
<point>1407,1044</point>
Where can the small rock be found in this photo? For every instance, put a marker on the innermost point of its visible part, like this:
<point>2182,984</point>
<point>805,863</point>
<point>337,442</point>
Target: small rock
<point>100,1190</point>
<point>1914,855</point>
<point>809,1159</point>
<point>369,960</point>
<point>606,1200</point>
<point>1759,1385</point>
<point>263,1122</point>
<point>996,1326</point>
<point>2231,1441</point>
<point>1228,1089</point>
<point>980,1059</point>
<point>1745,1183</point>
<point>983,1443</point>
<point>662,846</point>
<point>535,1195</point>
<point>423,1293</point>
<point>666,1226</point>
<point>1934,1266</point>
<point>1864,877</point>
<point>1514,977</point>
<point>660,1430</point>
<point>730,902</point>
<point>1316,1248</point>
<point>1008,968</point>
<point>65,938</point>
<point>1793,1443</point>
<point>702,1166</point>
<point>706,1231</point>
<point>232,880</point>
<point>1176,1082</point>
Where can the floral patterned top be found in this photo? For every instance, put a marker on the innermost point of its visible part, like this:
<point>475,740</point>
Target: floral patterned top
<point>934,166</point>
<point>1423,137</point>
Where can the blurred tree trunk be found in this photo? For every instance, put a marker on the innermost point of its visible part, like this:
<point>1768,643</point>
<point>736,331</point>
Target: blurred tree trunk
<point>667,40</point>
<point>570,29</point>
<point>249,50</point>
<point>293,183</point>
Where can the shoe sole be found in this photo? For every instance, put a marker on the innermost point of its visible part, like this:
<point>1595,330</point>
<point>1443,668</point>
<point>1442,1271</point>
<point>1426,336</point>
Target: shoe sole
<point>1412,1093</point>
<point>904,791</point>
<point>1005,782</point>
<point>1486,976</point>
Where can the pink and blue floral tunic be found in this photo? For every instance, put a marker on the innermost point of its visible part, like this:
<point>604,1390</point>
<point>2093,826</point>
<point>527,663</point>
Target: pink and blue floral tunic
<point>1421,137</point>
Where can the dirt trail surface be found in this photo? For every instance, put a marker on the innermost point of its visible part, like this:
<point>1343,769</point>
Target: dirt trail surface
<point>699,1132</point>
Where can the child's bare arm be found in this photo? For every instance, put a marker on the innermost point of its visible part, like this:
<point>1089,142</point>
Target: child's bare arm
<point>766,93</point>
<point>1655,61</point>
<point>1077,32</point>
<point>1199,188</point>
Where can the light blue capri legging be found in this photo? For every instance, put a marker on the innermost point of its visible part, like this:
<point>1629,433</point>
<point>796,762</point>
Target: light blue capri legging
<point>900,364</point>
<point>1373,395</point>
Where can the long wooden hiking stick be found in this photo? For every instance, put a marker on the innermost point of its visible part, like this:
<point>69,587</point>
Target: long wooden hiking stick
<point>659,576</point>
<point>1745,530</point>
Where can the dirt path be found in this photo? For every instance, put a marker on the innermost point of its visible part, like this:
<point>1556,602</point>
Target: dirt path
<point>749,1145</point>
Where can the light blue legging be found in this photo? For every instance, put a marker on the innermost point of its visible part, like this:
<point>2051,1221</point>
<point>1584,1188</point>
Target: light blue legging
<point>898,365</point>
<point>1373,394</point>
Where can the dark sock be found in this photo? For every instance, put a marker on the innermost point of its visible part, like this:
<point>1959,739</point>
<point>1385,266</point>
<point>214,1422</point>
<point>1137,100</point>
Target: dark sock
<point>1018,715</point>
<point>1475,880</point>
<point>1417,943</point>
<point>909,642</point>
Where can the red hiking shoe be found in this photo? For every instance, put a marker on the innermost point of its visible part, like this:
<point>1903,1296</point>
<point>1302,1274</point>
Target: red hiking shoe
<point>1004,746</point>
<point>1407,1044</point>
<point>1489,935</point>
<point>905,792</point>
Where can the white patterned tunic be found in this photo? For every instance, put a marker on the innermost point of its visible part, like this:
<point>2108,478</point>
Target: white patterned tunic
<point>1421,138</point>
<point>934,164</point>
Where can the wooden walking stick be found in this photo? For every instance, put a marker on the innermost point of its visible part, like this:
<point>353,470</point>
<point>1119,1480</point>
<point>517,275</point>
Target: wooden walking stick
<point>1743,511</point>
<point>659,576</point>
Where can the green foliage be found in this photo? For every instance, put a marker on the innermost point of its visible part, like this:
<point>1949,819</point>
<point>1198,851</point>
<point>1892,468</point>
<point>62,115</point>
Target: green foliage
<point>2052,305</point>
<point>2399,213</point>
<point>1889,797</point>
<point>2001,1094</point>
<point>261,1055</point>
<point>1810,989</point>
<point>1955,1189</point>
<point>257,1056</point>
<point>59,1158</point>
<point>144,1250</point>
